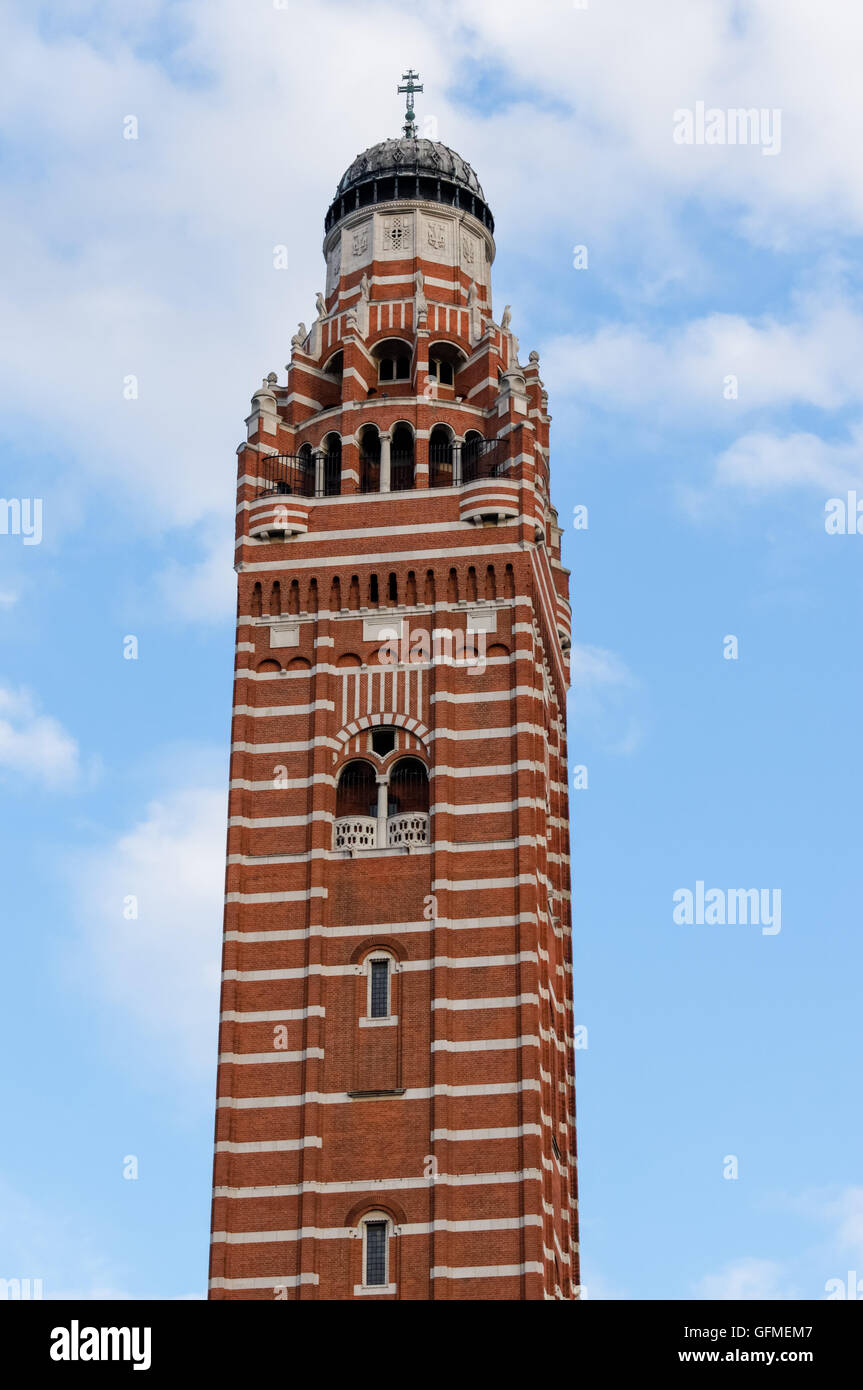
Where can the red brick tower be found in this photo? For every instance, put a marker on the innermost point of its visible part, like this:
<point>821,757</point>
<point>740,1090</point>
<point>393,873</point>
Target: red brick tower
<point>395,1091</point>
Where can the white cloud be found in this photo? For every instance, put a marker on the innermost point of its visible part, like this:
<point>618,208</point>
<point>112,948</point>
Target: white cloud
<point>35,745</point>
<point>847,1212</point>
<point>204,590</point>
<point>808,359</point>
<point>749,1279</point>
<point>8,598</point>
<point>162,968</point>
<point>763,462</point>
<point>602,693</point>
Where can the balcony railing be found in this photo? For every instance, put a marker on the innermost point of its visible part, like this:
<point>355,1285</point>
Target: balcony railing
<point>355,832</point>
<point>361,832</point>
<point>401,470</point>
<point>319,475</point>
<point>412,828</point>
<point>370,473</point>
<point>298,475</point>
<point>481,458</point>
<point>478,458</point>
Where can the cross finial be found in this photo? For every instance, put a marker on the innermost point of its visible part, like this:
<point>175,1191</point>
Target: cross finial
<point>409,78</point>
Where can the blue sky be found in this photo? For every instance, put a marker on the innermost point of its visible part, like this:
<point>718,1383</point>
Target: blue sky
<point>154,258</point>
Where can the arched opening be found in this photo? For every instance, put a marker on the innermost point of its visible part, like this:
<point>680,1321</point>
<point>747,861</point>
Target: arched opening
<point>356,807</point>
<point>356,794</point>
<point>332,480</point>
<point>441,456</point>
<point>445,362</point>
<point>370,459</point>
<point>336,365</point>
<point>409,787</point>
<point>377,1230</point>
<point>402,458</point>
<point>379,968</point>
<point>408,804</point>
<point>393,357</point>
<point>471,453</point>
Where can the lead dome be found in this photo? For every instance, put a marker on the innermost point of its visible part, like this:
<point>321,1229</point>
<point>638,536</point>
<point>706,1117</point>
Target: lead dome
<point>409,169</point>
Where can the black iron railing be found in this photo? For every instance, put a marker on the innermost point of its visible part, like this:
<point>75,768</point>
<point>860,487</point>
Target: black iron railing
<point>319,475</point>
<point>370,473</point>
<point>401,470</point>
<point>441,461</point>
<point>297,475</point>
<point>481,458</point>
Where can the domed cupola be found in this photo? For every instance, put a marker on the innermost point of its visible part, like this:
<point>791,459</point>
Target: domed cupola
<point>409,169</point>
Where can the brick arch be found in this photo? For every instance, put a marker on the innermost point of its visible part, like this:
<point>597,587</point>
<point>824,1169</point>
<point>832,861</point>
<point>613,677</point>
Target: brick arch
<point>391,720</point>
<point>378,943</point>
<point>376,1202</point>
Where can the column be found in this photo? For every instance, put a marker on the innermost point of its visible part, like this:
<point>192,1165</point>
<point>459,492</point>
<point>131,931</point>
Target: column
<point>386,441</point>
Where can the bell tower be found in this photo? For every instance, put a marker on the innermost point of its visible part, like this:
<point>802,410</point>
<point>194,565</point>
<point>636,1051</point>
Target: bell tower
<point>395,1113</point>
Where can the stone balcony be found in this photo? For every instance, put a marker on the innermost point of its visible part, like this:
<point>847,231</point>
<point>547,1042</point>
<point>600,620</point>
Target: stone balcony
<point>405,831</point>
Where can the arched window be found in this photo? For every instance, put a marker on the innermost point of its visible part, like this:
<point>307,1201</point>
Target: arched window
<point>377,1230</point>
<point>380,809</point>
<point>473,446</point>
<point>407,787</point>
<point>440,457</point>
<point>379,972</point>
<point>306,471</point>
<point>402,458</point>
<point>394,360</point>
<point>445,362</point>
<point>332,465</point>
<point>356,793</point>
<point>370,459</point>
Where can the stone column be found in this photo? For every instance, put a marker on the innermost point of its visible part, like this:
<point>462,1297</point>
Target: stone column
<point>383,808</point>
<point>386,440</point>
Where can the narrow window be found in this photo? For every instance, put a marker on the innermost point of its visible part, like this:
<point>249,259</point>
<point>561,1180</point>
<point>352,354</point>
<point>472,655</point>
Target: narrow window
<point>386,371</point>
<point>379,990</point>
<point>376,1253</point>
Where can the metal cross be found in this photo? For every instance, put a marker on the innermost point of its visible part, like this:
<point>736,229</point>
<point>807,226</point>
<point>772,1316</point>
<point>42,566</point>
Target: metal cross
<point>409,78</point>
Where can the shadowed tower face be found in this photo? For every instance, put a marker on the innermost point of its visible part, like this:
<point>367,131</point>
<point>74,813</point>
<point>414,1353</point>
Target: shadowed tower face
<point>395,1115</point>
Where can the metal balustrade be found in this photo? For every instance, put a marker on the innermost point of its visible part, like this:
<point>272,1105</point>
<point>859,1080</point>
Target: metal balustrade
<point>319,475</point>
<point>298,475</point>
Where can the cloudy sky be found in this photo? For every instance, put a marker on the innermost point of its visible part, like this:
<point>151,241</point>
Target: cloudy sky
<point>698,313</point>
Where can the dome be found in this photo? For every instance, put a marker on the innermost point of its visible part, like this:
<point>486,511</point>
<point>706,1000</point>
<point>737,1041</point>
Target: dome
<point>411,156</point>
<point>409,168</point>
